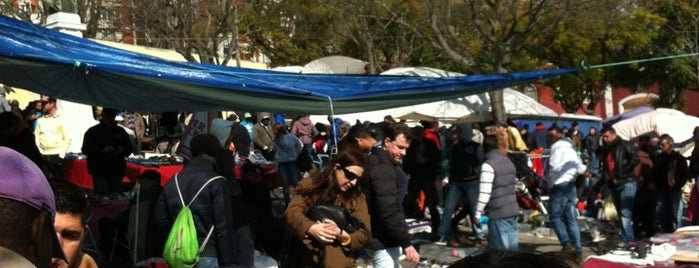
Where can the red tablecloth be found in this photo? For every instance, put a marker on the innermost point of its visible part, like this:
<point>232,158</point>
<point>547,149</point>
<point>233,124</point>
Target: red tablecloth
<point>133,171</point>
<point>75,170</point>
<point>269,174</point>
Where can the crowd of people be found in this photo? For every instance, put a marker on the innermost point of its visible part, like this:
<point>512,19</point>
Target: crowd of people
<point>376,175</point>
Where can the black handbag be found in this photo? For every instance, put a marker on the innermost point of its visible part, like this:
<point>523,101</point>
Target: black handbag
<point>339,215</point>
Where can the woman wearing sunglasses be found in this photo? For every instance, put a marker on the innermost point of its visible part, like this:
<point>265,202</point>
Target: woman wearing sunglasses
<point>335,185</point>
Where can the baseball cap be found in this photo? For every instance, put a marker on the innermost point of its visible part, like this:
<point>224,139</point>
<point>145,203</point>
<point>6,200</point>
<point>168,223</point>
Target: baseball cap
<point>247,115</point>
<point>24,182</point>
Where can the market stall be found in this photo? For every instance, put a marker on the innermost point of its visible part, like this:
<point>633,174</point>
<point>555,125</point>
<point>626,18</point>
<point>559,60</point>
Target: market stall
<point>75,170</point>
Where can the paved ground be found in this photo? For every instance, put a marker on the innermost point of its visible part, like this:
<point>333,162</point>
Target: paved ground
<point>527,243</point>
<point>457,248</point>
<point>540,240</point>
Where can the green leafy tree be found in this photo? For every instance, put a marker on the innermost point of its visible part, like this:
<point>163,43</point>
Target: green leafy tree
<point>602,32</point>
<point>366,29</point>
<point>386,34</point>
<point>488,36</point>
<point>677,36</point>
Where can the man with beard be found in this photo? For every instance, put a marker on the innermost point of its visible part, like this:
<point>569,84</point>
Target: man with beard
<point>52,137</point>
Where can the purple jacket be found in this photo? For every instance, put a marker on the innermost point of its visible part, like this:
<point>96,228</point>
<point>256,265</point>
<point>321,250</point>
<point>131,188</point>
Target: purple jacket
<point>305,130</point>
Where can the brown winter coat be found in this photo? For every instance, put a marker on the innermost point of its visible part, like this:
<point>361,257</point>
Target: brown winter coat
<point>336,255</point>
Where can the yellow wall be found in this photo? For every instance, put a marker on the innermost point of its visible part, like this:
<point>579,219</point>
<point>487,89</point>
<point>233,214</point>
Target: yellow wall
<point>171,55</point>
<point>24,96</point>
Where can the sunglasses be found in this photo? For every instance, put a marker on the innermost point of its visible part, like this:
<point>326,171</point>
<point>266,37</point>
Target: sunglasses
<point>350,175</point>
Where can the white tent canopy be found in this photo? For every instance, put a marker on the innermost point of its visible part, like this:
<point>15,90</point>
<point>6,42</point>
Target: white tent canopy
<point>335,65</point>
<point>661,121</point>
<point>448,111</point>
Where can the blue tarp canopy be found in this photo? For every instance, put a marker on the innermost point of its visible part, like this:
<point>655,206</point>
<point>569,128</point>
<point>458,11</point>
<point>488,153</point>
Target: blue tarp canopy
<point>79,70</point>
<point>630,114</point>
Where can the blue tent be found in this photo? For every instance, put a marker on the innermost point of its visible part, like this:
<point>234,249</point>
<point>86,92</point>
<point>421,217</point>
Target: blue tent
<point>76,69</point>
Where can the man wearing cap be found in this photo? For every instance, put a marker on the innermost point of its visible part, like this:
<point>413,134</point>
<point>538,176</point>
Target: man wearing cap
<point>107,145</point>
<point>27,210</point>
<point>248,124</point>
<point>135,144</point>
<point>52,137</point>
<point>263,138</point>
<point>240,138</point>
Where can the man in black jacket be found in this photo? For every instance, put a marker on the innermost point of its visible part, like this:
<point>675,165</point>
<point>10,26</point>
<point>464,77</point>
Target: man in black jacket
<point>380,185</point>
<point>107,145</point>
<point>591,143</point>
<point>421,162</point>
<point>213,206</point>
<point>670,173</point>
<point>619,159</point>
<point>465,159</point>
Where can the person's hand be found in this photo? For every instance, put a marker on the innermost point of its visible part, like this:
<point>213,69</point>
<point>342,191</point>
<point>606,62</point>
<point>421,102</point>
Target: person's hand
<point>332,226</point>
<point>411,255</point>
<point>322,234</point>
<point>58,263</point>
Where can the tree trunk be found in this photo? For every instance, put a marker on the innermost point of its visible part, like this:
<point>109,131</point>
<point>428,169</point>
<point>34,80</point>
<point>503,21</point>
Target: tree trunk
<point>497,101</point>
<point>497,105</point>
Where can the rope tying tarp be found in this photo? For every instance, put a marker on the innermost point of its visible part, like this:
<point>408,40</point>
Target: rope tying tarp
<point>590,67</point>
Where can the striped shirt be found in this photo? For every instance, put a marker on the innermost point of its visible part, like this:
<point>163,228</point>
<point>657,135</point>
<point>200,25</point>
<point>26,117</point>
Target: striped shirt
<point>496,197</point>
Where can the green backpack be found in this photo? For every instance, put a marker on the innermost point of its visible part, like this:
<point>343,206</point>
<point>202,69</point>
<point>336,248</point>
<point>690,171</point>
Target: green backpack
<point>182,246</point>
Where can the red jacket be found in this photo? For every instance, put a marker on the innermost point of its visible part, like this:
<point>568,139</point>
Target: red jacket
<point>429,134</point>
